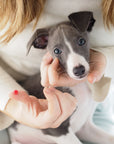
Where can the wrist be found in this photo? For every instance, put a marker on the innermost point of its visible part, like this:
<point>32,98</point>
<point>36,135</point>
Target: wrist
<point>11,108</point>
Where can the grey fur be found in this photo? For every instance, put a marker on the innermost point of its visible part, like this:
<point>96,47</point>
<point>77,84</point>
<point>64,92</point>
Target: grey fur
<point>54,38</point>
<point>33,87</point>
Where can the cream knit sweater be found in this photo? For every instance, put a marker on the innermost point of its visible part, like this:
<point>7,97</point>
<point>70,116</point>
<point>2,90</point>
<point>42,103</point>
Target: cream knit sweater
<point>14,54</point>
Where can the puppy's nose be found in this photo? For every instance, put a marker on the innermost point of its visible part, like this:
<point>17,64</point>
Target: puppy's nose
<point>78,71</point>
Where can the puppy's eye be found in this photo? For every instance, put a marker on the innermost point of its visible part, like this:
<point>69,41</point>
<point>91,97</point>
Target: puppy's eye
<point>81,41</point>
<point>57,51</point>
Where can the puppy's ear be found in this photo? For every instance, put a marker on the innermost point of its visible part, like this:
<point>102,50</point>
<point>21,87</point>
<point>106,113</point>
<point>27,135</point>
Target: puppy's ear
<point>83,21</point>
<point>39,39</point>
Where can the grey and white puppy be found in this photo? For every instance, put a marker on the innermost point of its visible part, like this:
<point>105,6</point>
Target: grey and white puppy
<point>68,41</point>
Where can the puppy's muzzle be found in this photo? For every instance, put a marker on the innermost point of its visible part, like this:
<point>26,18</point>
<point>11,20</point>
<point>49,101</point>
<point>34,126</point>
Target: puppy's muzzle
<point>79,71</point>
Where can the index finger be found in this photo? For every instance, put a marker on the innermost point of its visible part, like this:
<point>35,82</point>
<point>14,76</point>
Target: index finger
<point>47,59</point>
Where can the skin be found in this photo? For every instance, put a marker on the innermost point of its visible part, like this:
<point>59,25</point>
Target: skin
<point>51,112</point>
<point>41,113</point>
<point>97,66</point>
<point>50,75</point>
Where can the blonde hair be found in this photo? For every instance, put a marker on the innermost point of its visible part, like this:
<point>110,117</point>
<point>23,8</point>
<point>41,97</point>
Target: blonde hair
<point>16,14</point>
<point>108,12</point>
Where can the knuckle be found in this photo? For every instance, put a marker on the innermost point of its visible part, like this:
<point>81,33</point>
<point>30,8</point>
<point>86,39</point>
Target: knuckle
<point>56,115</point>
<point>53,82</point>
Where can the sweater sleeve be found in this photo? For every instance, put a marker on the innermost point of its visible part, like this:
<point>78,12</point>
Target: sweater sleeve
<point>109,53</point>
<point>7,85</point>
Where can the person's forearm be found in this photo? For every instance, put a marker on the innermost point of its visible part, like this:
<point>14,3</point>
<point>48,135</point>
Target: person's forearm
<point>15,109</point>
<point>7,85</point>
<point>11,108</point>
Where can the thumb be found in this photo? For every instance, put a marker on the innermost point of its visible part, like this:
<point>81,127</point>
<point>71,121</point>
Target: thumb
<point>92,77</point>
<point>97,66</point>
<point>53,104</point>
<point>96,75</point>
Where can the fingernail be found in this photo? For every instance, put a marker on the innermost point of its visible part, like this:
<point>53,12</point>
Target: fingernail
<point>16,92</point>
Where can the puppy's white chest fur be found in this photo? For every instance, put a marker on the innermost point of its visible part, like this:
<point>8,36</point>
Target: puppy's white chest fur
<point>77,120</point>
<point>85,106</point>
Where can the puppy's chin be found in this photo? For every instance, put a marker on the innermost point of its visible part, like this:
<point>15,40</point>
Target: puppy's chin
<point>79,78</point>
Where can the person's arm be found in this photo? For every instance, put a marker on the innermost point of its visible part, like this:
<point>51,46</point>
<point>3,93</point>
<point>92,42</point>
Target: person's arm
<point>99,84</point>
<point>41,113</point>
<point>7,85</point>
<point>28,110</point>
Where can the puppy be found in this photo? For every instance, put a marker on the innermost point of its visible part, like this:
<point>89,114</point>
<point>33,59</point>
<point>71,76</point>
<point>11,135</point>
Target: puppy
<point>68,41</point>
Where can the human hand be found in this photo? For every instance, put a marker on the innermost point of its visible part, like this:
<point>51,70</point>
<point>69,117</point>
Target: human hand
<point>51,76</point>
<point>97,66</point>
<point>41,113</point>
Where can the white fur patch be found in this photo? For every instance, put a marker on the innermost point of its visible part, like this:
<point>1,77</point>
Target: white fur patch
<point>74,60</point>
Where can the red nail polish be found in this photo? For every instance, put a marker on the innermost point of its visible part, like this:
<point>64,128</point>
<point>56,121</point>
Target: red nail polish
<point>16,92</point>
